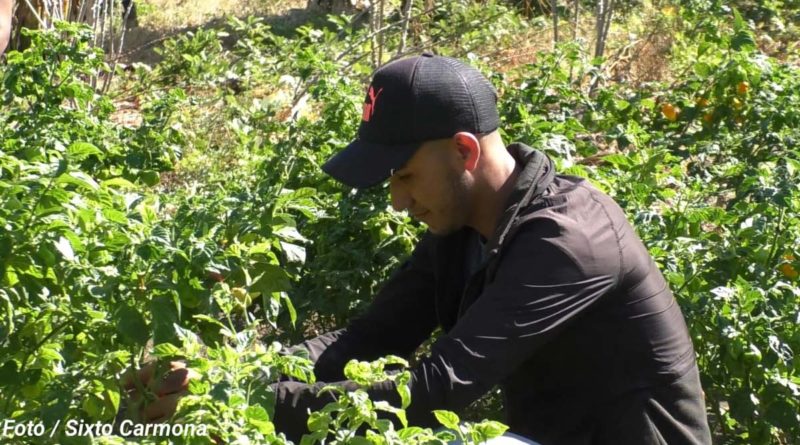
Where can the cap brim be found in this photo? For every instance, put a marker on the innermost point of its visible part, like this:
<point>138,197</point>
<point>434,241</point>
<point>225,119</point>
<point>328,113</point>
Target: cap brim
<point>363,164</point>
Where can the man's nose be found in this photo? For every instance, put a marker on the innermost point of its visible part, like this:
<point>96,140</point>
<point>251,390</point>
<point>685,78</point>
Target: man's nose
<point>401,200</point>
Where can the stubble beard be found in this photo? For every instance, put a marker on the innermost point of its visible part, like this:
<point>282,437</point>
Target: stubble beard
<point>455,205</point>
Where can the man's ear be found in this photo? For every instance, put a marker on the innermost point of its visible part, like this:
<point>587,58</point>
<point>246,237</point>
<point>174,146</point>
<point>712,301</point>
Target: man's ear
<point>468,148</point>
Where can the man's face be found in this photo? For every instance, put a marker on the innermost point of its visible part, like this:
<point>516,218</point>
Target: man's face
<point>434,187</point>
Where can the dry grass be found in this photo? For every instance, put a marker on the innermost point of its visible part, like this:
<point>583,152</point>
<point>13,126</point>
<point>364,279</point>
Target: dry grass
<point>169,15</point>
<point>160,19</point>
<point>644,58</point>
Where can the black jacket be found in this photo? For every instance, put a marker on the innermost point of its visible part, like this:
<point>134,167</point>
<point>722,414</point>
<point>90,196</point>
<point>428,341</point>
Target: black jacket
<point>565,310</point>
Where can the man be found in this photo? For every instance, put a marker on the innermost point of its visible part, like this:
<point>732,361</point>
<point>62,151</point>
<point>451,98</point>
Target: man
<point>6,7</point>
<point>537,280</point>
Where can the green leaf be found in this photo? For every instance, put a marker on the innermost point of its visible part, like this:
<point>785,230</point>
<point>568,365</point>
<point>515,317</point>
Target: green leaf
<point>621,104</point>
<point>792,166</point>
<point>75,241</point>
<point>132,326</point>
<point>115,215</point>
<point>209,319</point>
<point>358,440</point>
<point>395,360</point>
<point>149,215</point>
<point>446,436</point>
<point>255,412</point>
<point>405,395</point>
<point>165,316</point>
<point>742,40</point>
<point>289,233</point>
<point>287,303</point>
<point>702,69</point>
<point>490,429</point>
<point>49,354</point>
<point>79,151</point>
<point>166,350</point>
<point>76,90</point>
<point>260,248</point>
<point>619,160</point>
<point>447,418</point>
<point>311,439</point>
<point>62,167</point>
<point>112,399</point>
<point>319,421</point>
<point>293,252</point>
<point>149,177</point>
<point>93,406</point>
<point>738,22</point>
<point>79,179</point>
<point>65,248</point>
<point>118,183</point>
<point>47,255</point>
<point>198,386</point>
<point>9,374</point>
<point>407,433</point>
<point>356,370</point>
<point>236,397</point>
<point>401,414</point>
<point>258,417</point>
<point>270,278</point>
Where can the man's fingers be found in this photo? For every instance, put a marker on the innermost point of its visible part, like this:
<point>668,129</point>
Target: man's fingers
<point>168,382</point>
<point>144,375</point>
<point>174,381</point>
<point>161,409</point>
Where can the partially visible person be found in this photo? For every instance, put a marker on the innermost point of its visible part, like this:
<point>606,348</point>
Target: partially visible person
<point>6,7</point>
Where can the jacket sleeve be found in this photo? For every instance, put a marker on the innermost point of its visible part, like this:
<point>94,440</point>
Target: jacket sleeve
<point>399,319</point>
<point>542,285</point>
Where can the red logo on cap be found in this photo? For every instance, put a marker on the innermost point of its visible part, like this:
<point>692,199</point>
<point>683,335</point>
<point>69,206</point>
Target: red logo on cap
<point>369,107</point>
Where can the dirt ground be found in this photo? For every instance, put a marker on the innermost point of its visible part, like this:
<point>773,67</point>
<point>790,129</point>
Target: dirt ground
<point>161,19</point>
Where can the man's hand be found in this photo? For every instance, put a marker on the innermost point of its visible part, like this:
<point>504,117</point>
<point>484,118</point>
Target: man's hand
<point>154,390</point>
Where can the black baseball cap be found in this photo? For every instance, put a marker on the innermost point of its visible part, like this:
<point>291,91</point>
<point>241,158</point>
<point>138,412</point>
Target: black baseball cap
<point>411,101</point>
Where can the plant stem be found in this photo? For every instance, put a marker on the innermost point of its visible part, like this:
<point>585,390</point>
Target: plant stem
<point>44,340</point>
<point>773,251</point>
<point>577,6</point>
<point>404,33</point>
<point>554,5</point>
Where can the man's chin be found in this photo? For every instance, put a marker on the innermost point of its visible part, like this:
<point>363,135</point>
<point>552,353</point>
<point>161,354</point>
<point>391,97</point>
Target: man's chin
<point>442,231</point>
